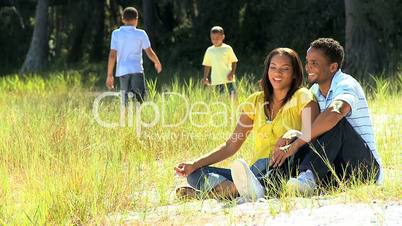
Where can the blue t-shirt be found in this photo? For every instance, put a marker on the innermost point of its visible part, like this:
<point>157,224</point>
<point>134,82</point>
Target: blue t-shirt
<point>129,42</point>
<point>344,87</point>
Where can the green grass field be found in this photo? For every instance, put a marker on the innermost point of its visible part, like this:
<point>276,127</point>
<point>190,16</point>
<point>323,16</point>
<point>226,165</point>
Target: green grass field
<point>59,166</point>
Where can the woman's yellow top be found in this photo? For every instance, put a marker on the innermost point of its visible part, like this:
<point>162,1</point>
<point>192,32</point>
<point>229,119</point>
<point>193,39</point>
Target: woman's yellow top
<point>266,132</point>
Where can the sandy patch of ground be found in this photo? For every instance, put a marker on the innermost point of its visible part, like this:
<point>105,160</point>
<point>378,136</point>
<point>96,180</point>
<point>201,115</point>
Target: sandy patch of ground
<point>267,212</point>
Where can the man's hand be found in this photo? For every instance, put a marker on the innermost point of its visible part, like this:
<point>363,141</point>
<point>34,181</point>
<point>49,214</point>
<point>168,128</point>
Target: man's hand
<point>158,67</point>
<point>184,169</point>
<point>110,82</point>
<point>281,142</point>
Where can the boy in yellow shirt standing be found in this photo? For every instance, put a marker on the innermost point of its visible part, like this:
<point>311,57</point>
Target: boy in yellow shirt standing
<point>221,61</point>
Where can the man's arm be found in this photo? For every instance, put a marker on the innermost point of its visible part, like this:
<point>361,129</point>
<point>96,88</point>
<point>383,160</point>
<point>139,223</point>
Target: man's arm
<point>207,69</point>
<point>110,67</point>
<point>232,72</point>
<point>308,115</point>
<point>324,122</point>
<point>154,58</point>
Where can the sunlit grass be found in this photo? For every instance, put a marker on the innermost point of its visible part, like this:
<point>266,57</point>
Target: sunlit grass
<point>59,166</point>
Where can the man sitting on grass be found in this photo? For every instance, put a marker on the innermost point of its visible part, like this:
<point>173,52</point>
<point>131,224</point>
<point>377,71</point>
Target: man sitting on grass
<point>344,148</point>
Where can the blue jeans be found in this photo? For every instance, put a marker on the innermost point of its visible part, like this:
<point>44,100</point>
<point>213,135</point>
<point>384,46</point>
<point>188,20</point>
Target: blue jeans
<point>206,178</point>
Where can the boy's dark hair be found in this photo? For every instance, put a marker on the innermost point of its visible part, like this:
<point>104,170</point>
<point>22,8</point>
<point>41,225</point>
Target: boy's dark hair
<point>331,48</point>
<point>130,13</point>
<point>217,30</point>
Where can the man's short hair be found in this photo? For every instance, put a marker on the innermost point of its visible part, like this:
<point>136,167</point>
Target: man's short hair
<point>331,48</point>
<point>130,13</point>
<point>217,30</point>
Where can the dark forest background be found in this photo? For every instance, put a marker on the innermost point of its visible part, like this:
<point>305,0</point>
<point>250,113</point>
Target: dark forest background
<point>46,35</point>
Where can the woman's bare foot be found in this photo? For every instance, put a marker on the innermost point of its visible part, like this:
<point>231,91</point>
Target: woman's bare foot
<point>224,190</point>
<point>186,192</point>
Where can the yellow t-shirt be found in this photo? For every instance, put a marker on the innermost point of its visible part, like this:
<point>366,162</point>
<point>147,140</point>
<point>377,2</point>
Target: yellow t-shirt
<point>220,60</point>
<point>268,133</point>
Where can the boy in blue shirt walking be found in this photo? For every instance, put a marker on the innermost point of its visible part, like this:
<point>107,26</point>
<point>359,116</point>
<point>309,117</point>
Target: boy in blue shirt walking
<point>126,48</point>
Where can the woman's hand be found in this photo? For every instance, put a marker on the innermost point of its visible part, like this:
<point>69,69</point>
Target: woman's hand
<point>185,169</point>
<point>279,155</point>
<point>223,151</point>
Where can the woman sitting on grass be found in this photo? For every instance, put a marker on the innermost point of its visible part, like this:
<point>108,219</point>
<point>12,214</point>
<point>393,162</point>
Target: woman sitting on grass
<point>270,114</point>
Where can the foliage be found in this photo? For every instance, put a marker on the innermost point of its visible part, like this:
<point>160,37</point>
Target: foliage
<point>59,166</point>
<point>80,30</point>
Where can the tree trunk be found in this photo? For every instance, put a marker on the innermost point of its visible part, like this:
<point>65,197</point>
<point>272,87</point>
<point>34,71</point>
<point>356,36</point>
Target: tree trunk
<point>98,46</point>
<point>36,57</point>
<point>149,18</point>
<point>114,11</point>
<point>361,47</point>
<point>60,26</point>
<point>81,26</point>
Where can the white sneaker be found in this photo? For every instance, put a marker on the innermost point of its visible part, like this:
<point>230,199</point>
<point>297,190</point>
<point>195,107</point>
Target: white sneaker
<point>304,184</point>
<point>245,181</point>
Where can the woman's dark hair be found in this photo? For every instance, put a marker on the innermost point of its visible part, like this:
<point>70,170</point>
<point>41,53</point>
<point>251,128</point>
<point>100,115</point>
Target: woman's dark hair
<point>297,74</point>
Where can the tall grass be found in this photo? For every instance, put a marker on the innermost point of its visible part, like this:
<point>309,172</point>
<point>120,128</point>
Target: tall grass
<point>59,166</point>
